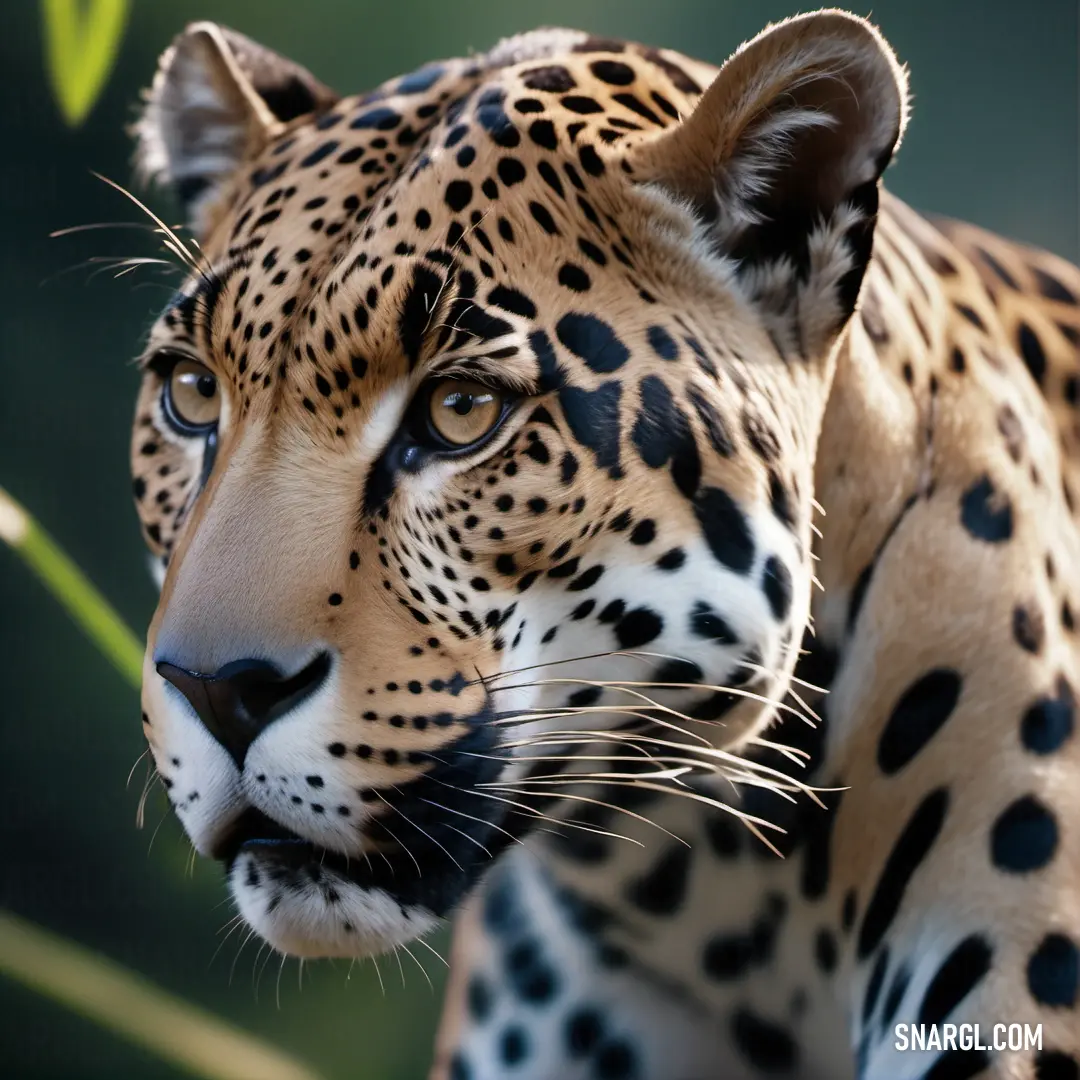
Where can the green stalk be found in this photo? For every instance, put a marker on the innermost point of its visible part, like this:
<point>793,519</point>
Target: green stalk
<point>70,586</point>
<point>134,1008</point>
<point>101,990</point>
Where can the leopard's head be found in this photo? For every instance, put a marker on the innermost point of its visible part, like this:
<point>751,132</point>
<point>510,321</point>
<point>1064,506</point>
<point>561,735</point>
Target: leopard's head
<point>484,419</point>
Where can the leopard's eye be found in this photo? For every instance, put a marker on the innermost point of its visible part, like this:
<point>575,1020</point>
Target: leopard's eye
<point>191,398</point>
<point>462,413</point>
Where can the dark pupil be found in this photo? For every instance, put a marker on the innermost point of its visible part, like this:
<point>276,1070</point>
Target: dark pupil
<point>206,385</point>
<point>461,403</point>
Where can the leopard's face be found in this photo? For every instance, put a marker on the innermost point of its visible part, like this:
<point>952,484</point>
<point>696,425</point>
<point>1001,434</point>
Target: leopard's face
<point>465,438</point>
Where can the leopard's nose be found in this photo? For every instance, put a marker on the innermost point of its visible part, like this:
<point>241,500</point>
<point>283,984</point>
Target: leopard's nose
<point>244,697</point>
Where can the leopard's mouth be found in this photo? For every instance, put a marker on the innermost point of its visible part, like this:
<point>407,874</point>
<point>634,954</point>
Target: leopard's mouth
<point>414,864</point>
<point>254,829</point>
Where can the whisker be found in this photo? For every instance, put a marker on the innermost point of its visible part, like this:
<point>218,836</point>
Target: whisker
<point>94,225</point>
<point>412,956</point>
<point>726,757</point>
<point>399,811</point>
<point>472,817</point>
<point>172,237</point>
<point>753,823</point>
<point>383,825</point>
<point>435,952</point>
<point>378,972</point>
<point>524,808</point>
<point>627,687</point>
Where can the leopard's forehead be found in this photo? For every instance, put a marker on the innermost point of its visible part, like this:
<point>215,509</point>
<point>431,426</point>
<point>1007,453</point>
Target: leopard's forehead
<point>494,182</point>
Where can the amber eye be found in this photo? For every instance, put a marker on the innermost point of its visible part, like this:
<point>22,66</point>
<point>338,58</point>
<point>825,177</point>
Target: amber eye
<point>191,399</point>
<point>462,413</point>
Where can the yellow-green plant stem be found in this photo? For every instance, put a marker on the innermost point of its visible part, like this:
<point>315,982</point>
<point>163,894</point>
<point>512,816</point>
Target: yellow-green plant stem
<point>131,1006</point>
<point>82,39</point>
<point>99,989</point>
<point>70,586</point>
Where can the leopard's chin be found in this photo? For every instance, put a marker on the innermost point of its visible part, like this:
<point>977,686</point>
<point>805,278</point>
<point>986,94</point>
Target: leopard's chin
<point>302,900</point>
<point>310,901</point>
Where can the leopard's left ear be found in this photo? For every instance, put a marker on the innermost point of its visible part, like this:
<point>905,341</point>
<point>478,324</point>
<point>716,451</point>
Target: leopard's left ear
<point>218,98</point>
<point>780,162</point>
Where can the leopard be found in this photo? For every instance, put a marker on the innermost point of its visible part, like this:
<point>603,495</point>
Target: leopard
<point>591,511</point>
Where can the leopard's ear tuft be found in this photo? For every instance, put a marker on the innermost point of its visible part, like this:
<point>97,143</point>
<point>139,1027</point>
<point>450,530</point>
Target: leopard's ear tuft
<point>781,157</point>
<point>217,99</point>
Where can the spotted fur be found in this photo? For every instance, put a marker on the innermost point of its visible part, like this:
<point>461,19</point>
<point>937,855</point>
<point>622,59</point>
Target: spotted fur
<point>564,684</point>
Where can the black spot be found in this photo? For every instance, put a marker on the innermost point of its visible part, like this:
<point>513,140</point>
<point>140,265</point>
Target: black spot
<point>420,80</point>
<point>662,434</point>
<point>1055,1065</point>
<point>584,1027</point>
<point>583,106</point>
<point>591,161</point>
<point>1024,837</point>
<point>459,1067</point>
<point>1053,971</point>
<point>713,423</point>
<point>319,154</point>
<point>766,1045</point>
<point>704,622</point>
<point>571,276</point>
<point>677,672</point>
<point>680,79</point>
<point>907,854</point>
<point>480,998</point>
<point>760,437</point>
<point>614,1061</point>
<point>613,72</point>
<point>1051,288</point>
<point>512,300</point>
<point>381,119</point>
<point>1048,723</point>
<point>588,695</point>
<point>959,974</point>
<point>825,953</point>
<point>726,529</point>
<point>511,171</point>
<point>593,340</point>
<point>530,975</point>
<point>638,627</point>
<point>1028,627</point>
<point>542,216</point>
<point>671,560</point>
<point>514,1045</point>
<point>542,132</point>
<point>731,956</point>
<point>593,419</point>
<point>554,79</point>
<point>817,846</point>
<point>919,714</point>
<point>414,317</point>
<point>776,583</point>
<point>644,532</point>
<point>662,888</point>
<point>493,119</point>
<point>847,912</point>
<point>894,996</point>
<point>986,514</point>
<point>874,984</point>
<point>458,195</point>
<point>1032,351</point>
<point>663,344</point>
<point>724,836</point>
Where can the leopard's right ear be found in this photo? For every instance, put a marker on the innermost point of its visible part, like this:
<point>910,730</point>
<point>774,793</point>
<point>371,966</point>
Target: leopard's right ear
<point>217,99</point>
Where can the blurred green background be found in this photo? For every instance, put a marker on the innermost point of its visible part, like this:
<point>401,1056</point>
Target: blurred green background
<point>994,139</point>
